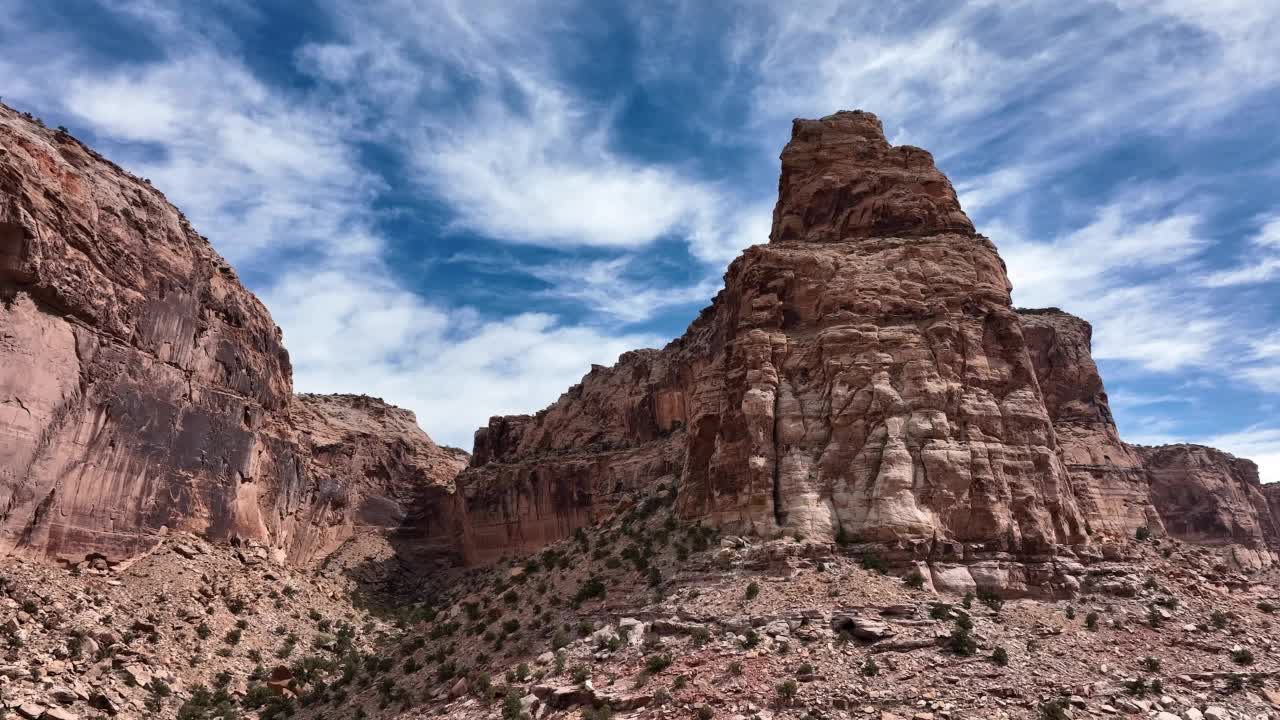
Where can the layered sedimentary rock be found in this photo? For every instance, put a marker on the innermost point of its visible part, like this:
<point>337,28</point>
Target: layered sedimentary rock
<point>371,468</point>
<point>863,375</point>
<point>1211,497</point>
<point>1107,476</point>
<point>142,387</point>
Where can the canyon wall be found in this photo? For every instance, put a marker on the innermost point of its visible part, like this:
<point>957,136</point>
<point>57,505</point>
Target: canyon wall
<point>861,377</point>
<point>1107,476</point>
<point>1210,497</point>
<point>142,387</point>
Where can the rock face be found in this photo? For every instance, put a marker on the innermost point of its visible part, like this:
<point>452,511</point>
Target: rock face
<point>1107,476</point>
<point>1211,497</point>
<point>370,467</point>
<point>863,376</point>
<point>142,387</point>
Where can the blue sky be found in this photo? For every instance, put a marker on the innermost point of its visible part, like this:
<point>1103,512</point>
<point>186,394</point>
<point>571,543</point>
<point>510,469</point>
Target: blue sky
<point>458,206</point>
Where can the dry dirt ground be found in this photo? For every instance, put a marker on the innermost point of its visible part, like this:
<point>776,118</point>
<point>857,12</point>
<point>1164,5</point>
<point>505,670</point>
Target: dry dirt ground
<point>641,617</point>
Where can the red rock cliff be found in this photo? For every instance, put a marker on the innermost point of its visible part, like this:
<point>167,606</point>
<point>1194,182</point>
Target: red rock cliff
<point>1211,497</point>
<point>1107,476</point>
<point>142,387</point>
<point>862,375</point>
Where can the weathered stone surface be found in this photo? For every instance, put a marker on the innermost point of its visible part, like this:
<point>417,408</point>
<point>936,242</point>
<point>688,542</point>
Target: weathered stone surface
<point>862,375</point>
<point>1107,476</point>
<point>144,389</point>
<point>840,180</point>
<point>1211,497</point>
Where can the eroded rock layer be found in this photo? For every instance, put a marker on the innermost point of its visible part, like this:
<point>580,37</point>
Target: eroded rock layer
<point>1107,476</point>
<point>1208,496</point>
<point>863,376</point>
<point>143,388</point>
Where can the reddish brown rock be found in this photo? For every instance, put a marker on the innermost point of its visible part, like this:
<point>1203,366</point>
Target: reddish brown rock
<point>841,180</point>
<point>863,375</point>
<point>371,468</point>
<point>1107,476</point>
<point>1211,497</point>
<point>143,388</point>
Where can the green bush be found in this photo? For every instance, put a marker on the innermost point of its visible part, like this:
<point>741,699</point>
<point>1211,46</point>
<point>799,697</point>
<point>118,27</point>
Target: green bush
<point>655,664</point>
<point>753,590</point>
<point>1054,710</point>
<point>875,563</point>
<point>870,668</point>
<point>1243,656</point>
<point>1142,533</point>
<point>990,599</point>
<point>1000,656</point>
<point>1091,621</point>
<point>787,690</point>
<point>915,579</point>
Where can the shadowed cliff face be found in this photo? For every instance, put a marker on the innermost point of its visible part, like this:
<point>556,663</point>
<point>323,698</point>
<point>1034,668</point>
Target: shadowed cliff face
<point>142,387</point>
<point>1211,497</point>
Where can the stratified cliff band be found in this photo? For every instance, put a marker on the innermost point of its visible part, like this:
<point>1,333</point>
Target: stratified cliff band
<point>144,389</point>
<point>862,378</point>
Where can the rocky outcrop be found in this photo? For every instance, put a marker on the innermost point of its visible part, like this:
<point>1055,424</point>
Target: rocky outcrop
<point>143,388</point>
<point>861,376</point>
<point>1107,476</point>
<point>1211,497</point>
<point>371,468</point>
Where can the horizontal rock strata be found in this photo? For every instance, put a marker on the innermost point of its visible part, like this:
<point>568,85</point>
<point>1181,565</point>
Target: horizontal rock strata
<point>144,389</point>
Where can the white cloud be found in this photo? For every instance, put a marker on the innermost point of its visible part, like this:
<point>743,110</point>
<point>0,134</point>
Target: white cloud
<point>1265,265</point>
<point>513,152</point>
<point>547,176</point>
<point>259,172</point>
<point>1101,272</point>
<point>353,330</point>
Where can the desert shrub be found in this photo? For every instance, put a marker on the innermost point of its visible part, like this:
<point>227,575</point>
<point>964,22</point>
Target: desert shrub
<point>1142,533</point>
<point>1091,621</point>
<point>1000,656</point>
<point>1243,656</point>
<point>1151,664</point>
<point>787,690</point>
<point>753,590</point>
<point>655,664</point>
<point>990,599</point>
<point>874,563</point>
<point>1054,710</point>
<point>915,579</point>
<point>870,668</point>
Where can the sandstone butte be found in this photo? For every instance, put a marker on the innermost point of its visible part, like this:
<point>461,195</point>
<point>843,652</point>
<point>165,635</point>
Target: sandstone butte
<point>861,378</point>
